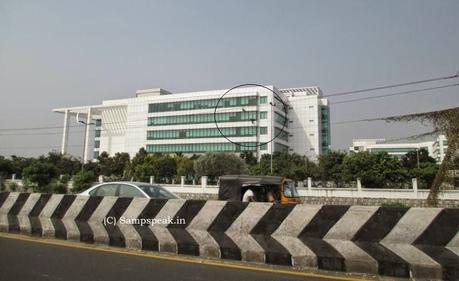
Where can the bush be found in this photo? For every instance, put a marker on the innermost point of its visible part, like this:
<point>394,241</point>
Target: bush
<point>83,180</point>
<point>396,205</point>
<point>58,187</point>
<point>2,184</point>
<point>41,174</point>
<point>13,186</point>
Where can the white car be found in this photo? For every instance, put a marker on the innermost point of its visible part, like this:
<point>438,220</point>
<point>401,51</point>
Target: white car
<point>129,189</point>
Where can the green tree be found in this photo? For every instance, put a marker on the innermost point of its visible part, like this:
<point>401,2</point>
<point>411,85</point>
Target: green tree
<point>425,173</point>
<point>5,167</point>
<point>331,167</point>
<point>105,163</point>
<point>40,173</point>
<point>18,164</point>
<point>249,158</point>
<point>376,170</point>
<point>214,165</point>
<point>185,166</point>
<point>117,166</point>
<point>121,163</point>
<point>65,164</point>
<point>410,160</point>
<point>137,161</point>
<point>83,180</point>
<point>165,168</point>
<point>293,166</point>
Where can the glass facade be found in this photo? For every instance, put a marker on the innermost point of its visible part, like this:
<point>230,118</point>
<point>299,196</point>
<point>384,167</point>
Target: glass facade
<point>205,133</point>
<point>205,118</point>
<point>205,104</point>
<point>393,149</point>
<point>202,147</point>
<point>325,129</point>
<point>280,119</point>
<point>280,147</point>
<point>281,134</point>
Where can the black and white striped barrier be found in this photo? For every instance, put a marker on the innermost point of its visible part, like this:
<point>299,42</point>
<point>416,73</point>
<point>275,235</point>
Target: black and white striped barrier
<point>403,242</point>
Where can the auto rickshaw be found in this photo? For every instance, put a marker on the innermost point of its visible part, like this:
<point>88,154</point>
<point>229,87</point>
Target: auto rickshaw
<point>281,189</point>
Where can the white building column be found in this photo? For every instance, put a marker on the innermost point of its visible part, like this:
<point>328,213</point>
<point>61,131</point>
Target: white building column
<point>65,133</point>
<point>86,152</point>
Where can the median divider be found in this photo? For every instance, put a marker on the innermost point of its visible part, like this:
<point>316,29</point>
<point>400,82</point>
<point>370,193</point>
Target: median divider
<point>420,243</point>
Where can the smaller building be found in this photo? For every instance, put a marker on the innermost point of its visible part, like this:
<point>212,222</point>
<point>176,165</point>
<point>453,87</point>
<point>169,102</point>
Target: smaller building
<point>436,148</point>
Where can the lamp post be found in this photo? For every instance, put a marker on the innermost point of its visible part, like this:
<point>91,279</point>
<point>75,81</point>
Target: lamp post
<point>417,156</point>
<point>271,154</point>
<point>86,124</point>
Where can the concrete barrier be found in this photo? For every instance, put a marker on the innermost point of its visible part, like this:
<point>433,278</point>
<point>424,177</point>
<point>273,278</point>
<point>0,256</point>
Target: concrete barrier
<point>419,243</point>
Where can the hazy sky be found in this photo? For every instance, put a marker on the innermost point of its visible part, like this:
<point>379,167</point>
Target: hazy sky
<point>68,53</point>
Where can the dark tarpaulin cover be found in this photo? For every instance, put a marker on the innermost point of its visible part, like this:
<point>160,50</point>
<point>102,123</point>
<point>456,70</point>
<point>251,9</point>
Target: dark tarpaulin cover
<point>230,186</point>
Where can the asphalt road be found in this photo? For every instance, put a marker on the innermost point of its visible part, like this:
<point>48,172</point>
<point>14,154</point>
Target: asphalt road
<point>30,260</point>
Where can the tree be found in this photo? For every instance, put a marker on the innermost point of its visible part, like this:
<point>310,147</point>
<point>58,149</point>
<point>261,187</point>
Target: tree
<point>214,165</point>
<point>375,170</point>
<point>425,173</point>
<point>249,158</point>
<point>40,173</point>
<point>331,167</point>
<point>5,167</point>
<point>65,165</point>
<point>411,159</point>
<point>165,167</point>
<point>121,162</point>
<point>105,163</point>
<point>185,166</point>
<point>293,166</point>
<point>83,180</point>
<point>443,121</point>
<point>18,164</point>
<point>427,169</point>
<point>137,161</point>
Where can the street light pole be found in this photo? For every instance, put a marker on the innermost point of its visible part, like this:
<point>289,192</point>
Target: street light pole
<point>272,135</point>
<point>417,155</point>
<point>86,124</point>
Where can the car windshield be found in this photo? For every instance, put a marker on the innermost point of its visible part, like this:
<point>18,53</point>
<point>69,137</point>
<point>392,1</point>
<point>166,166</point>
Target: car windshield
<point>290,189</point>
<point>155,191</point>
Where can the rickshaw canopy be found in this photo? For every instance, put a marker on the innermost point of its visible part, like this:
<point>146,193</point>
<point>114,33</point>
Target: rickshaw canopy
<point>230,187</point>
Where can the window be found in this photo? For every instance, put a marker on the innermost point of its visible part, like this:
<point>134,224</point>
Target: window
<point>311,121</point>
<point>263,99</point>
<point>105,190</point>
<point>98,122</point>
<point>96,154</point>
<point>158,192</point>
<point>200,147</point>
<point>204,104</point>
<point>97,144</point>
<point>130,191</point>
<point>205,118</point>
<point>97,133</point>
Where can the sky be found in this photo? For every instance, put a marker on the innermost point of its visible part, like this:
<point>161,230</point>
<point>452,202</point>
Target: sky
<point>67,53</point>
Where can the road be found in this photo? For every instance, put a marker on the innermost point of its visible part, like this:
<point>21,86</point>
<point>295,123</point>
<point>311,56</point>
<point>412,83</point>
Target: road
<point>37,259</point>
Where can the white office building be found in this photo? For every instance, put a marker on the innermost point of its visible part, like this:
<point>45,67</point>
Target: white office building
<point>247,119</point>
<point>436,148</point>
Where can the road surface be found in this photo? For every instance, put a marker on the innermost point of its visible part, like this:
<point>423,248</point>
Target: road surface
<point>35,259</point>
